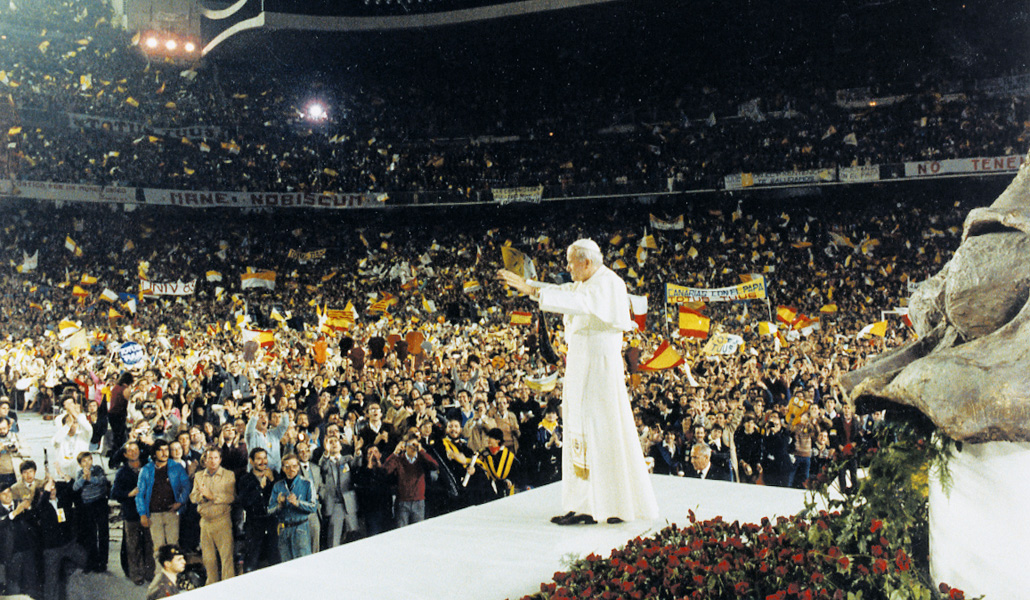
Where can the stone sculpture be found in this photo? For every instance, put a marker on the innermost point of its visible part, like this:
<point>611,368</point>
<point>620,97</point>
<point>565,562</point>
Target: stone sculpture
<point>969,370</point>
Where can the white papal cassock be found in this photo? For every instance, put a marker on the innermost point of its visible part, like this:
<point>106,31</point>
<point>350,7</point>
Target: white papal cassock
<point>603,470</point>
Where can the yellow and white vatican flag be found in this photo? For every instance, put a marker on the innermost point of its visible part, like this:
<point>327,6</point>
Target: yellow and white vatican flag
<point>28,263</point>
<point>72,247</point>
<point>257,279</point>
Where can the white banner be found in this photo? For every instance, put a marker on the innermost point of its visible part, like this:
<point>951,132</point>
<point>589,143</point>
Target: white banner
<point>66,192</point>
<point>520,194</point>
<point>932,168</point>
<point>197,199</point>
<point>179,288</point>
<point>670,225</point>
<point>860,174</point>
<point>135,128</point>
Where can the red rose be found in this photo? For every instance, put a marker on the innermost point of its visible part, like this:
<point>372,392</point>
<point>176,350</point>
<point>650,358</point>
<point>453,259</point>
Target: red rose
<point>877,550</point>
<point>741,588</point>
<point>877,524</point>
<point>902,561</point>
<point>956,594</point>
<point>793,588</point>
<point>880,566</point>
<point>844,562</point>
<point>817,577</point>
<point>799,559</point>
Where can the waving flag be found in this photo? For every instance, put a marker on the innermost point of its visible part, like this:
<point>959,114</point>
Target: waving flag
<point>258,279</point>
<point>693,324</point>
<point>72,247</point>
<point>521,318</point>
<point>638,306</point>
<point>786,314</point>
<point>264,337</point>
<point>665,357</point>
<point>878,329</point>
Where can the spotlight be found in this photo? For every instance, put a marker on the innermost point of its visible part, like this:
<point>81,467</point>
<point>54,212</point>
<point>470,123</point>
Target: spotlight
<point>151,42</point>
<point>316,112</point>
<point>170,44</point>
<point>190,47</point>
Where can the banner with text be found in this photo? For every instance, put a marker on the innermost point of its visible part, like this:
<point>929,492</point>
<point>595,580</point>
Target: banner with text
<point>179,288</point>
<point>306,256</point>
<point>963,166</point>
<point>196,199</point>
<point>519,194</point>
<point>67,192</point>
<point>751,290</point>
<point>738,181</point>
<point>861,174</point>
<point>135,128</point>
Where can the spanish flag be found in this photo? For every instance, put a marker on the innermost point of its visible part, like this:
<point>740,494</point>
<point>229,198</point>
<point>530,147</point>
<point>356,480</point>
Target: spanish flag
<point>803,321</point>
<point>77,291</point>
<point>87,279</point>
<point>112,313</point>
<point>693,324</point>
<point>521,318</point>
<point>471,286</point>
<point>665,357</point>
<point>786,314</point>
<point>828,308</point>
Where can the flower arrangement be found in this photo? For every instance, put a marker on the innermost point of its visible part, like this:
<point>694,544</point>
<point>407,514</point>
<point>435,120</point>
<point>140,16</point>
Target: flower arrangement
<point>864,546</point>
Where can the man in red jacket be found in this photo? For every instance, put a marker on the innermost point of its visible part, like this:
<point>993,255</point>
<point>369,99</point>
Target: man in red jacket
<point>410,463</point>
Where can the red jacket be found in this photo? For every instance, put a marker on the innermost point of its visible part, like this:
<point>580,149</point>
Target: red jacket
<point>411,477</point>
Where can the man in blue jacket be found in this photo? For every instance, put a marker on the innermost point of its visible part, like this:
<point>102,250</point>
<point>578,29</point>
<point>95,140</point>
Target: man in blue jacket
<point>291,502</point>
<point>163,487</point>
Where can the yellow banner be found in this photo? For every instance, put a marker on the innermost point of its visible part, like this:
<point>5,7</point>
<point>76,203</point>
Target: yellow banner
<point>751,290</point>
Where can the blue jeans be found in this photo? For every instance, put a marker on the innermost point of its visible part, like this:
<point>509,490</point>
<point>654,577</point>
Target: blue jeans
<point>799,474</point>
<point>410,511</point>
<point>294,541</point>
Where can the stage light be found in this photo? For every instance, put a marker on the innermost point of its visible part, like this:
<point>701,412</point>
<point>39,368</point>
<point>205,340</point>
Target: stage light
<point>316,112</point>
<point>190,47</point>
<point>151,42</point>
<point>170,44</point>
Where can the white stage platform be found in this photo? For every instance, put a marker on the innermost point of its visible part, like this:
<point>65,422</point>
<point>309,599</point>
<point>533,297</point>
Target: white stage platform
<point>503,549</point>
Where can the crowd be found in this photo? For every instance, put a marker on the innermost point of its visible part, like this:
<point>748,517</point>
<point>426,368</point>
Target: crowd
<point>251,454</point>
<point>448,140</point>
